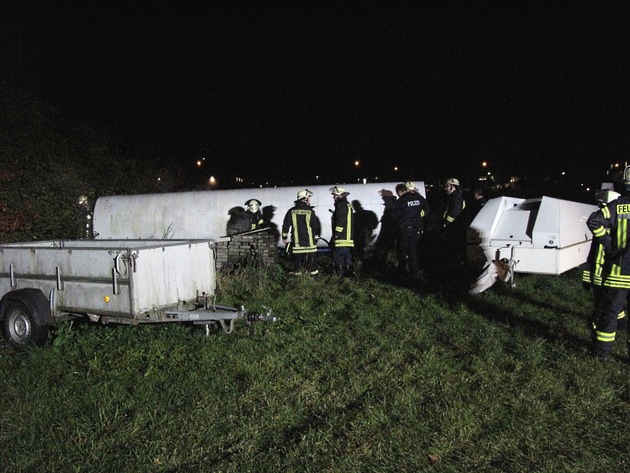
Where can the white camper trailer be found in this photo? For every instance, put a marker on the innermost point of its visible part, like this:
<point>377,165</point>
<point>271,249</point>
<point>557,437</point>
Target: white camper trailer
<point>205,214</point>
<point>542,235</point>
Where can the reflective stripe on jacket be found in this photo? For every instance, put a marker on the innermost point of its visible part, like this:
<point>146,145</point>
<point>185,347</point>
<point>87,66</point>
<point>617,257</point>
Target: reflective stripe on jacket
<point>610,229</point>
<point>343,224</point>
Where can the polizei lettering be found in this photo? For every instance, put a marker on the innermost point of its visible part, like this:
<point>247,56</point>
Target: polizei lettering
<point>413,203</point>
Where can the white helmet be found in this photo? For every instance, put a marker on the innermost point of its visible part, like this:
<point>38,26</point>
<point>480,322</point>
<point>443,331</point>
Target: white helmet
<point>304,194</point>
<point>410,186</point>
<point>253,204</point>
<point>605,196</point>
<point>337,190</point>
<point>452,181</point>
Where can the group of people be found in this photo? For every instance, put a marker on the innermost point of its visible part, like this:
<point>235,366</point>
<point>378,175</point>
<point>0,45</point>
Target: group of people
<point>607,270</point>
<point>305,228</point>
<point>407,218</point>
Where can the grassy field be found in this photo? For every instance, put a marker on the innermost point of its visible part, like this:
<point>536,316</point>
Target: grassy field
<point>367,375</point>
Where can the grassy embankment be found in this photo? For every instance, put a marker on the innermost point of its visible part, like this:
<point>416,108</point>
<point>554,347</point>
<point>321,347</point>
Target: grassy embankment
<point>367,376</point>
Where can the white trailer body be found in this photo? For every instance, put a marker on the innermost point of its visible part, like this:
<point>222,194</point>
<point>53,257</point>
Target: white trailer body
<point>543,235</point>
<point>121,281</point>
<point>205,214</point>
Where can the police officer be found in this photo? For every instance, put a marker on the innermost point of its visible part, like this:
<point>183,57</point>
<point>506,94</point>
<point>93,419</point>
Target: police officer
<point>305,228</point>
<point>409,213</point>
<point>343,219</point>
<point>611,229</point>
<point>253,214</point>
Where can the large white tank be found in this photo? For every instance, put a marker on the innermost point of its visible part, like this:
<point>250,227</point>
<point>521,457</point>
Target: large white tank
<point>205,214</point>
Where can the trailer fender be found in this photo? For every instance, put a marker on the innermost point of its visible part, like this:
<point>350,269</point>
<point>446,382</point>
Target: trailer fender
<point>26,317</point>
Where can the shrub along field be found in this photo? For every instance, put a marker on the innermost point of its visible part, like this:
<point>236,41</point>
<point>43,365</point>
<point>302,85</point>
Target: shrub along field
<point>356,375</point>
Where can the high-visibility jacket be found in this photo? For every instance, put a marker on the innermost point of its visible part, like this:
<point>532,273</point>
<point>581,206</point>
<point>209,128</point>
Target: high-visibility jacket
<point>611,230</point>
<point>594,265</point>
<point>343,223</point>
<point>304,226</point>
<point>454,207</point>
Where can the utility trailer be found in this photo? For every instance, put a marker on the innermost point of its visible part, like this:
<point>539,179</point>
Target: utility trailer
<point>541,235</point>
<point>110,281</point>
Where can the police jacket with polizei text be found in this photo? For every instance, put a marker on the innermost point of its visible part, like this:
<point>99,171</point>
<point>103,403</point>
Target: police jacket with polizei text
<point>610,228</point>
<point>410,210</point>
<point>304,226</point>
<point>343,223</point>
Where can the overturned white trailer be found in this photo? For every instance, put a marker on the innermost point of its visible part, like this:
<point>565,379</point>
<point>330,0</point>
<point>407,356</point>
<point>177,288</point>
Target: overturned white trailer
<point>542,235</point>
<point>206,214</point>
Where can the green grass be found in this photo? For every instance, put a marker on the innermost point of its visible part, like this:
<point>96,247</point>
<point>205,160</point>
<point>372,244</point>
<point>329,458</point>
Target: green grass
<point>355,376</point>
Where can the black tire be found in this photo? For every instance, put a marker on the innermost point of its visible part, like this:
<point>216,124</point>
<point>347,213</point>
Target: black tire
<point>26,321</point>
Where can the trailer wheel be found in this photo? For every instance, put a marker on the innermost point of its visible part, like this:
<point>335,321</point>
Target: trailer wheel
<point>25,320</point>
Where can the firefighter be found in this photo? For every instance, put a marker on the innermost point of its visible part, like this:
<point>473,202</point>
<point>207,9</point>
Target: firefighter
<point>342,241</point>
<point>454,226</point>
<point>253,214</point>
<point>610,229</point>
<point>409,213</point>
<point>305,228</point>
<point>592,271</point>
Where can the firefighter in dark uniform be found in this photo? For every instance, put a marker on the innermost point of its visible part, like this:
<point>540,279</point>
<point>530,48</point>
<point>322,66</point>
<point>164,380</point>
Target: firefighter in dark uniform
<point>454,226</point>
<point>253,214</point>
<point>343,220</point>
<point>305,228</point>
<point>592,271</point>
<point>409,213</point>
<point>611,229</point>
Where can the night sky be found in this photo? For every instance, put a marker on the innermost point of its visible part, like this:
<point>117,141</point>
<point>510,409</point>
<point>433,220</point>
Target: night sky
<point>306,88</point>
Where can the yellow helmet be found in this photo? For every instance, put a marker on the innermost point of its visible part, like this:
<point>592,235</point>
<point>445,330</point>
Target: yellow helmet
<point>410,186</point>
<point>452,181</point>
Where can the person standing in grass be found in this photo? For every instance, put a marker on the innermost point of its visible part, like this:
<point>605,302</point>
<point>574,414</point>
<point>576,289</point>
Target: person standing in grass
<point>342,237</point>
<point>454,226</point>
<point>409,214</point>
<point>611,229</point>
<point>592,271</point>
<point>304,226</point>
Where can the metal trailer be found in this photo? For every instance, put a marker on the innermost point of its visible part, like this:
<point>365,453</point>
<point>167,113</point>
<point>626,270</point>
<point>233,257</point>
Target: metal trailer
<point>205,214</point>
<point>542,235</point>
<point>110,281</point>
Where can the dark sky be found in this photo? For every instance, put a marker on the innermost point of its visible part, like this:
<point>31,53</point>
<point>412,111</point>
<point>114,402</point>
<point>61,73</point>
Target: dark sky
<point>302,88</point>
